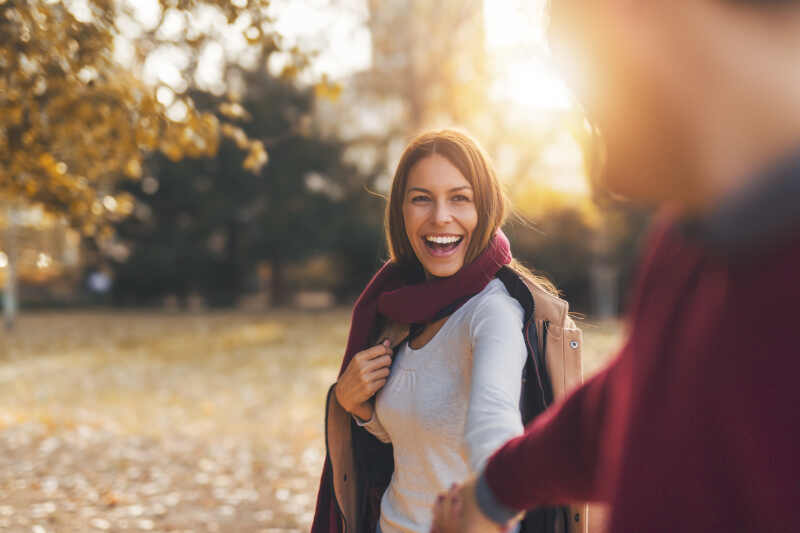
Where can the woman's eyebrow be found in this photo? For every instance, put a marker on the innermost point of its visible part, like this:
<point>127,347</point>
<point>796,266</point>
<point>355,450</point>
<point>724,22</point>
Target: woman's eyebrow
<point>426,191</point>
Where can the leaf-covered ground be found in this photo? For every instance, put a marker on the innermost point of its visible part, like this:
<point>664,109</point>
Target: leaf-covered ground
<point>118,421</point>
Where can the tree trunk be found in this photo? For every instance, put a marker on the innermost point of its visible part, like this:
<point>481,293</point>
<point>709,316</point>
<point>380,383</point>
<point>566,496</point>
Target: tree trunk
<point>604,289</point>
<point>279,296</point>
<point>603,276</point>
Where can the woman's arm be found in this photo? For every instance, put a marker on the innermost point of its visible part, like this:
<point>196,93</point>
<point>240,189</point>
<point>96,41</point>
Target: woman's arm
<point>553,462</point>
<point>499,354</point>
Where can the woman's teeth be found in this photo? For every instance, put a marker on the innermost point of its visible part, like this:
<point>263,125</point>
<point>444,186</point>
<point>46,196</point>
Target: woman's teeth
<point>443,240</point>
<point>442,245</point>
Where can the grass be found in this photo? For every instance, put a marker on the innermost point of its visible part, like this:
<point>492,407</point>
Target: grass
<point>148,373</point>
<point>254,383</point>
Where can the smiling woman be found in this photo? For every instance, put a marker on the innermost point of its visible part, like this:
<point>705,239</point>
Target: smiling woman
<point>442,340</point>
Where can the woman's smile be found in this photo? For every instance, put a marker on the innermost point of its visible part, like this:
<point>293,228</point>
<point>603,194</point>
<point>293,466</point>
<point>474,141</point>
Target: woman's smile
<point>443,245</point>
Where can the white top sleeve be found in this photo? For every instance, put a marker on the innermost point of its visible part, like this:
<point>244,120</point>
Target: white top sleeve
<point>374,426</point>
<point>499,354</point>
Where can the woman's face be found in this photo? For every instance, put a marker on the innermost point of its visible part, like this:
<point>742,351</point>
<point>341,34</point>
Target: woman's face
<point>439,215</point>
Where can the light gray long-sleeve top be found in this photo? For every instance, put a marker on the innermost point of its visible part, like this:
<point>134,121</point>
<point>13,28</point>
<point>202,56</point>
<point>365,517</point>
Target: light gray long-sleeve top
<point>449,405</point>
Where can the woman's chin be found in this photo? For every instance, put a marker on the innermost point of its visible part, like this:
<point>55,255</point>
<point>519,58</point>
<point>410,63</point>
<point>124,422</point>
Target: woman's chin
<point>442,263</point>
<point>439,270</point>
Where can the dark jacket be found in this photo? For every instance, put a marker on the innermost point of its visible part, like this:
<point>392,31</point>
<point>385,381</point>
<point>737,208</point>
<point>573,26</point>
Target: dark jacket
<point>362,466</point>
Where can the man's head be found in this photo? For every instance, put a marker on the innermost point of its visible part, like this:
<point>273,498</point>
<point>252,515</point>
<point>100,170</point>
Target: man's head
<point>683,92</point>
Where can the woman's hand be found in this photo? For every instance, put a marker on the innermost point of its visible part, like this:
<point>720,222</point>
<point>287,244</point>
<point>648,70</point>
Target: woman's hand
<point>456,511</point>
<point>364,376</point>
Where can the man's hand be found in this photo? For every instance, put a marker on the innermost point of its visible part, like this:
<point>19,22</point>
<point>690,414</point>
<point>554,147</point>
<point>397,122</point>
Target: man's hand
<point>456,511</point>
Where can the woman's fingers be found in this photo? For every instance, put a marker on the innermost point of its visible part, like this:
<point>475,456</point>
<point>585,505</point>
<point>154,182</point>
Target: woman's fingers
<point>364,376</point>
<point>446,511</point>
<point>383,361</point>
<point>380,373</point>
<point>376,386</point>
<point>453,499</point>
<point>438,515</point>
<point>375,351</point>
<point>368,388</point>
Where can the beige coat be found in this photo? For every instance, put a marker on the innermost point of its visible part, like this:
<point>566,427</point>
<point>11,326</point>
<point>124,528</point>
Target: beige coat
<point>563,359</point>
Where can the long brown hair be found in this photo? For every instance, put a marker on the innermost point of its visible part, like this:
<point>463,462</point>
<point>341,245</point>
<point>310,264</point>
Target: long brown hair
<point>491,203</point>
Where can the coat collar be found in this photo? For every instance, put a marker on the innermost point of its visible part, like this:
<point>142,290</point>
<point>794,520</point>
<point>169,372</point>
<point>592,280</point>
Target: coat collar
<point>763,215</point>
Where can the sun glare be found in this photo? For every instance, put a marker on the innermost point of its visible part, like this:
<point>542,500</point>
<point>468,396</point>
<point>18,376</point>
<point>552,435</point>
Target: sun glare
<point>516,42</point>
<point>527,82</point>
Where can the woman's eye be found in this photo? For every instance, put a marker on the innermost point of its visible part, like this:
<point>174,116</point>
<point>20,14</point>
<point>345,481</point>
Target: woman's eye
<point>419,199</point>
<point>461,198</point>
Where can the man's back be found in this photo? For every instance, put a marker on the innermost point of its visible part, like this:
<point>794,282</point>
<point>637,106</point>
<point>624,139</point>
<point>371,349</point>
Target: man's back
<point>705,434</point>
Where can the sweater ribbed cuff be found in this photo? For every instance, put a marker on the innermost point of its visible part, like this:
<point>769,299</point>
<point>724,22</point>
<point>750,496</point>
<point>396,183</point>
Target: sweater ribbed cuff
<point>488,503</point>
<point>364,423</point>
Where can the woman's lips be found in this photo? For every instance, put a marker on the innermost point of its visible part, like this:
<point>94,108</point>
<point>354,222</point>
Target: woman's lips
<point>440,250</point>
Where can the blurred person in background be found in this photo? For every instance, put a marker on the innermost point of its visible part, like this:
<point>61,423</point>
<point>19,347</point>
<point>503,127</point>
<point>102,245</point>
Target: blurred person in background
<point>695,426</point>
<point>451,349</point>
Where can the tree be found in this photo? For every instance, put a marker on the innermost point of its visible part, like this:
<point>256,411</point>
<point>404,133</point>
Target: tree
<point>432,56</point>
<point>74,119</point>
<point>211,224</point>
<point>428,69</point>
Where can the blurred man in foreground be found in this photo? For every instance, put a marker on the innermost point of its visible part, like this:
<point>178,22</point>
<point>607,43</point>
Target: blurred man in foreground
<point>695,427</point>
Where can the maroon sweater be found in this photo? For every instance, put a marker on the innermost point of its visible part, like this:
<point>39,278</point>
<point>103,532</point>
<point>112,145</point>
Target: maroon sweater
<point>695,426</point>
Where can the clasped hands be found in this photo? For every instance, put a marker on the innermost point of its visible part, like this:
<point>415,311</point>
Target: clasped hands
<point>456,511</point>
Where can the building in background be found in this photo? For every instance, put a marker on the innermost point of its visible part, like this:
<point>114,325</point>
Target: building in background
<point>40,258</point>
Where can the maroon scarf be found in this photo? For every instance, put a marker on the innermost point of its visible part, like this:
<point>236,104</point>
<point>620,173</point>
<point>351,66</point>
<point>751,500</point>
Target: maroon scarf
<point>398,294</point>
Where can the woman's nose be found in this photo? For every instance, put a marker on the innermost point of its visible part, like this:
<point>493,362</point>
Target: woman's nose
<point>442,213</point>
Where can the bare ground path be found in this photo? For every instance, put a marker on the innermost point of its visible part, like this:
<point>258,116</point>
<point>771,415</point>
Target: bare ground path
<point>118,421</point>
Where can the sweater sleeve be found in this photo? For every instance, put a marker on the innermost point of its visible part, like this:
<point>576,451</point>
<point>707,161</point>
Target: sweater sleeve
<point>499,353</point>
<point>555,460</point>
<point>374,426</point>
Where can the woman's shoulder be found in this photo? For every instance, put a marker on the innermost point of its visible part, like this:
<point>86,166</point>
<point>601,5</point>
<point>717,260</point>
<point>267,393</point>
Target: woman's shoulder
<point>548,306</point>
<point>496,314</point>
<point>545,304</point>
<point>496,302</point>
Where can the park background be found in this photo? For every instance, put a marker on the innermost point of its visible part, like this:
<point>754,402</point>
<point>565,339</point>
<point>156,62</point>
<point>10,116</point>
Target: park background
<point>191,197</point>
